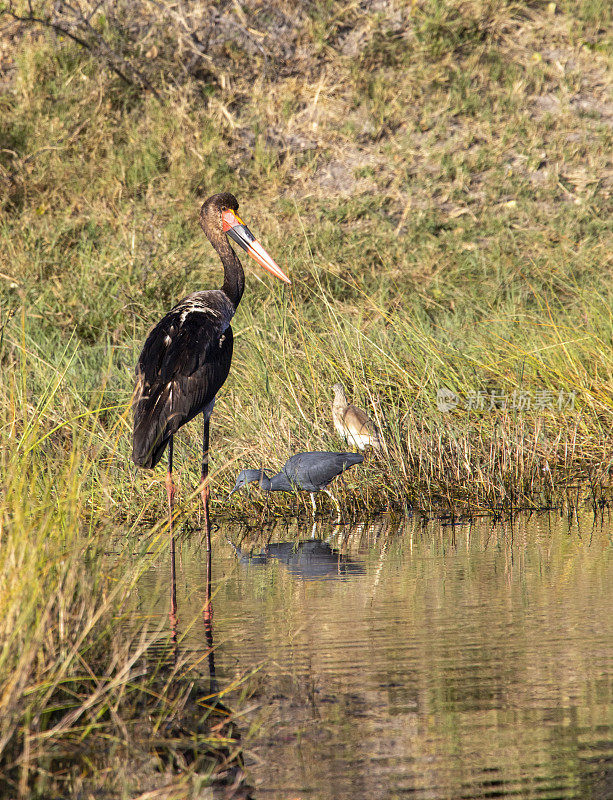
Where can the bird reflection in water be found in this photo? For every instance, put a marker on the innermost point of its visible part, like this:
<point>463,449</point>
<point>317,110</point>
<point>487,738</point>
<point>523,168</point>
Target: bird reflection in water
<point>311,559</point>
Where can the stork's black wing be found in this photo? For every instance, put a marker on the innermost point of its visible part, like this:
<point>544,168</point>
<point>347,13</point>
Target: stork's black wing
<point>184,363</point>
<point>314,471</point>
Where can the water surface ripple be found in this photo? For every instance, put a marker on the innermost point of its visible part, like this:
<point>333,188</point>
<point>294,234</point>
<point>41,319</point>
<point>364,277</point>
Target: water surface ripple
<point>401,661</point>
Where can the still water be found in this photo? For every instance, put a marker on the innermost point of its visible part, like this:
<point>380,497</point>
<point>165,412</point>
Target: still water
<point>409,660</point>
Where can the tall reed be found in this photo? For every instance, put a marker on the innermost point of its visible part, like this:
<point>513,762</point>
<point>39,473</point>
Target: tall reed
<point>81,680</point>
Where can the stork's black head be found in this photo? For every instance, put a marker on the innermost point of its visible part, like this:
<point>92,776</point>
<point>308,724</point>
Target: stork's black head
<point>213,208</point>
<point>218,217</point>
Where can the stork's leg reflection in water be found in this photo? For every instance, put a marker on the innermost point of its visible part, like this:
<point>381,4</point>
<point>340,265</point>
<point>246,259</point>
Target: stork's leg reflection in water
<point>207,617</point>
<point>197,716</point>
<point>207,608</point>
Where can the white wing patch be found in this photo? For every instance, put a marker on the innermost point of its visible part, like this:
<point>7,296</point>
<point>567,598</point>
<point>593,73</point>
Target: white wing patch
<point>194,307</point>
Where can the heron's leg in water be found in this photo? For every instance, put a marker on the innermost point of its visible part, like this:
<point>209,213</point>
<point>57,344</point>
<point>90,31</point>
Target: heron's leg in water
<point>313,503</point>
<point>335,501</point>
<point>170,491</point>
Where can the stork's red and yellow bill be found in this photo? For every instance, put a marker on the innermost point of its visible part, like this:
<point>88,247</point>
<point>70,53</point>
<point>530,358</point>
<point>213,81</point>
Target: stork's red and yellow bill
<point>240,233</point>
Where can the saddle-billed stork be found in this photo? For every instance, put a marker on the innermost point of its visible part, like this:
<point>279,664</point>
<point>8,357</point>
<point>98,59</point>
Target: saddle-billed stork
<point>186,357</point>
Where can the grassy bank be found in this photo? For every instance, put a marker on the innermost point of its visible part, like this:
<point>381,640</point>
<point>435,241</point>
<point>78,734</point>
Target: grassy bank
<point>434,179</point>
<point>90,700</point>
<point>436,184</point>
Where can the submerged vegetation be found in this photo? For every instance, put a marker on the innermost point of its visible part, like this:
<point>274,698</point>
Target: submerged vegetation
<point>434,181</point>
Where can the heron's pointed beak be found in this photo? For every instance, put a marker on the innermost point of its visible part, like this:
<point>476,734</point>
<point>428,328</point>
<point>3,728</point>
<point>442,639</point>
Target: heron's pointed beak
<point>240,233</point>
<point>237,488</point>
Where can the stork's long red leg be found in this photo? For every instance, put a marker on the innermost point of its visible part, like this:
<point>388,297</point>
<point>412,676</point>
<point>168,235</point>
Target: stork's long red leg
<point>204,492</point>
<point>170,490</point>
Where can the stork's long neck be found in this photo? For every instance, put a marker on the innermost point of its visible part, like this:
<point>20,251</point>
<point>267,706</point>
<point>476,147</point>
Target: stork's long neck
<point>234,277</point>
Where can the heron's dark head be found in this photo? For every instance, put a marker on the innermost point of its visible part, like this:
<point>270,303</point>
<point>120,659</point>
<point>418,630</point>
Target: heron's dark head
<point>246,476</point>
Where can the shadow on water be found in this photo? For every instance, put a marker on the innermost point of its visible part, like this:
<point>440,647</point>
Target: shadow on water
<point>392,659</point>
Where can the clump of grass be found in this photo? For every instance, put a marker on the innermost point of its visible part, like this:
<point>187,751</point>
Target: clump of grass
<point>79,687</point>
<point>480,457</point>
